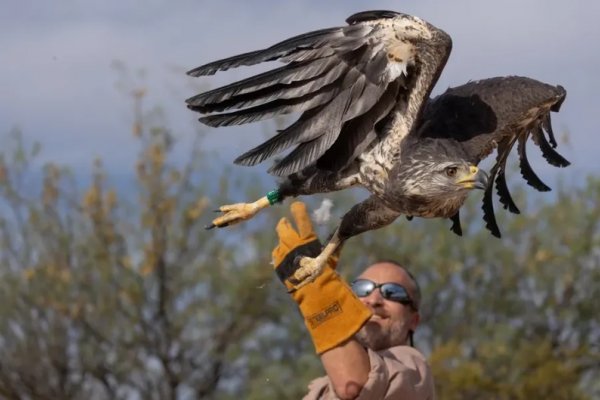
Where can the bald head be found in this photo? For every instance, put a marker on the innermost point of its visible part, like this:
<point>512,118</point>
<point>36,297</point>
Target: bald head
<point>391,271</point>
<point>392,322</point>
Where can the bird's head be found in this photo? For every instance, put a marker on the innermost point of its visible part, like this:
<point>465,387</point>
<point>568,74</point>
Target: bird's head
<point>457,176</point>
<point>435,178</point>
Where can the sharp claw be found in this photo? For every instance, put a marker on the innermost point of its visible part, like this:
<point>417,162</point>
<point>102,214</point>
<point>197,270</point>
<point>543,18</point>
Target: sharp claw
<point>305,277</point>
<point>299,284</point>
<point>234,213</point>
<point>211,226</point>
<point>293,280</point>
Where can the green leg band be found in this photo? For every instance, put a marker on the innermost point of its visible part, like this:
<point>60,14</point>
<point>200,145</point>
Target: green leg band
<point>273,197</point>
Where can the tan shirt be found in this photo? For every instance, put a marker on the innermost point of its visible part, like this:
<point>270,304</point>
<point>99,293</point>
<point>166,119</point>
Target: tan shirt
<point>399,373</point>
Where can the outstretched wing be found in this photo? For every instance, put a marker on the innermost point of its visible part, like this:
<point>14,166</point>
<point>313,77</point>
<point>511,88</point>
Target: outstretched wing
<point>343,80</point>
<point>498,113</point>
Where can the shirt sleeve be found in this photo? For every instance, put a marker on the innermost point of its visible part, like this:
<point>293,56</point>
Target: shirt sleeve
<point>397,373</point>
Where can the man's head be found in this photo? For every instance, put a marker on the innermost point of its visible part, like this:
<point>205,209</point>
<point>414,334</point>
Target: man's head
<point>392,322</point>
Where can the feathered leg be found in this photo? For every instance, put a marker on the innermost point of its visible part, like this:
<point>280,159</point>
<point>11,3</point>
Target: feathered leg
<point>314,180</point>
<point>365,216</point>
<point>309,181</point>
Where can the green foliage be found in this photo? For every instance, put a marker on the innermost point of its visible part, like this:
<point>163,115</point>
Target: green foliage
<point>113,293</point>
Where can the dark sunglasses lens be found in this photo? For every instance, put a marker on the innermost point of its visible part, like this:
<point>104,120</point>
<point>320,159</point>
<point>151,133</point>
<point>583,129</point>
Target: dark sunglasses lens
<point>362,287</point>
<point>394,292</point>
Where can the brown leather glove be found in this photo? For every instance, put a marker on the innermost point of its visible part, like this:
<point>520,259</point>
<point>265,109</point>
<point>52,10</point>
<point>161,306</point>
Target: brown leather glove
<point>331,311</point>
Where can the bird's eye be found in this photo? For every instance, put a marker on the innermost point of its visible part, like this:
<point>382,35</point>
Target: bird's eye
<point>451,171</point>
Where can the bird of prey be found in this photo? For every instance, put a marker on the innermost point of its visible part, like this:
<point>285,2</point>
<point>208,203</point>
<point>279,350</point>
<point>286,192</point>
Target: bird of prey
<point>366,118</point>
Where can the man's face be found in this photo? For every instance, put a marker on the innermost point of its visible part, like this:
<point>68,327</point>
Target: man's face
<point>391,321</point>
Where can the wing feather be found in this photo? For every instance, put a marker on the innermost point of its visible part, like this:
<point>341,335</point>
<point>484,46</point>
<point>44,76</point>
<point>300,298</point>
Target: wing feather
<point>503,111</point>
<point>456,226</point>
<point>345,106</point>
<point>504,194</point>
<point>547,149</point>
<point>359,133</point>
<point>290,81</point>
<point>311,125</point>
<point>526,171</point>
<point>547,125</point>
<point>279,50</point>
<point>497,176</point>
<point>500,171</point>
<point>488,212</point>
<point>337,78</point>
<point>269,110</point>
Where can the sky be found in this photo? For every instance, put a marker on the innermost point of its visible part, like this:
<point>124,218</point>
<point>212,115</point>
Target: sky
<point>60,87</point>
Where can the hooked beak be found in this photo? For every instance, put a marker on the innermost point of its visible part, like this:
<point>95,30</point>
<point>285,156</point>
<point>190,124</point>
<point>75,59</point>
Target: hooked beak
<point>475,179</point>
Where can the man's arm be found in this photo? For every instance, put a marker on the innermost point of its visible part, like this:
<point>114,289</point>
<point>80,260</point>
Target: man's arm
<point>402,373</point>
<point>347,367</point>
<point>333,314</point>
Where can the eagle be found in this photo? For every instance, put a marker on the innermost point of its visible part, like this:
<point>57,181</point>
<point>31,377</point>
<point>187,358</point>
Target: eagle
<point>366,118</point>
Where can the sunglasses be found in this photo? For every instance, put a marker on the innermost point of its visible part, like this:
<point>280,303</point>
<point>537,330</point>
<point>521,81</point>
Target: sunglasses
<point>389,291</point>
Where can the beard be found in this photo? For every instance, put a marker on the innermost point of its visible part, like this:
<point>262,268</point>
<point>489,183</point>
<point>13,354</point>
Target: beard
<point>377,337</point>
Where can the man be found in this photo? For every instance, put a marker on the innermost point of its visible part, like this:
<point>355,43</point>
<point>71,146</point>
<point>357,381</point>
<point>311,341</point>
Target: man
<point>361,333</point>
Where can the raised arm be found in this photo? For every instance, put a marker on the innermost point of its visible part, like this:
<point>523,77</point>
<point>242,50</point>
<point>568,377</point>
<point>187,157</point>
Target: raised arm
<point>332,313</point>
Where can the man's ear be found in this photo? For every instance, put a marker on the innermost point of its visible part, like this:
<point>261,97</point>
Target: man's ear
<point>414,320</point>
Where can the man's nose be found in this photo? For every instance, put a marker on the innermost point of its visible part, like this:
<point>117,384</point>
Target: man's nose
<point>374,299</point>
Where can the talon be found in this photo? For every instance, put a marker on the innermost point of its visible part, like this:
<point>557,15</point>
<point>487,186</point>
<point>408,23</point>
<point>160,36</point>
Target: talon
<point>301,284</point>
<point>293,281</point>
<point>211,226</point>
<point>234,213</point>
<point>308,271</point>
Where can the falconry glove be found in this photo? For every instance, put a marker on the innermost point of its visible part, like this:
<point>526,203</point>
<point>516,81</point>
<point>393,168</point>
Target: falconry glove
<point>331,311</point>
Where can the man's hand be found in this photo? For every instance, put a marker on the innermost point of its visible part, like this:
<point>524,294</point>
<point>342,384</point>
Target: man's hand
<point>296,243</point>
<point>333,314</point>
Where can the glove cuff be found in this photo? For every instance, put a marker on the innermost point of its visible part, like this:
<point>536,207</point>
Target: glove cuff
<point>331,311</point>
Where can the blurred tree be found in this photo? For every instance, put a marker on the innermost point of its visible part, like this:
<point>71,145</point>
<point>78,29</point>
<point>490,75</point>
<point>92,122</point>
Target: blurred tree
<point>117,291</point>
<point>125,295</point>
